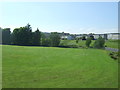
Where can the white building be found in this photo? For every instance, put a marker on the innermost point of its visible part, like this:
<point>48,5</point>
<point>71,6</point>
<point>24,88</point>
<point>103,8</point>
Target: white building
<point>96,36</point>
<point>113,36</point>
<point>67,37</point>
<point>79,36</point>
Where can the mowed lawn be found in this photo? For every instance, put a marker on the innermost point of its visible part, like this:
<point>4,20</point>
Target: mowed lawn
<point>108,43</point>
<point>112,43</point>
<point>52,67</point>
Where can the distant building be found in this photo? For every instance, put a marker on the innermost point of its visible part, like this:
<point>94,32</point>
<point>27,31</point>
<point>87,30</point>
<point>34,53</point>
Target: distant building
<point>113,36</point>
<point>108,36</point>
<point>79,36</point>
<point>96,36</point>
<point>67,37</point>
<point>64,37</point>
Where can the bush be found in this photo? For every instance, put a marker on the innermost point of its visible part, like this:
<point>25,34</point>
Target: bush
<point>68,44</point>
<point>99,43</point>
<point>83,38</point>
<point>55,39</point>
<point>88,42</point>
<point>46,42</point>
<point>114,55</point>
<point>72,46</point>
<point>77,41</point>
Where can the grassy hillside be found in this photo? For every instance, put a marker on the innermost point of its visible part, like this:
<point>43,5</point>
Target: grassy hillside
<point>112,43</point>
<point>108,43</point>
<point>50,67</point>
<point>81,43</point>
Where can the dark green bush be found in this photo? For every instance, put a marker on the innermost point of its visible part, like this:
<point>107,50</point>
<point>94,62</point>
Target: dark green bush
<point>77,41</point>
<point>88,42</point>
<point>99,43</point>
<point>72,46</point>
<point>114,55</point>
<point>46,42</point>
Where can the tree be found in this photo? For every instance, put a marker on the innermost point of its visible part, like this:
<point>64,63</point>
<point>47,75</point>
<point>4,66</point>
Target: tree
<point>16,36</point>
<point>22,35</point>
<point>83,38</point>
<point>36,37</point>
<point>92,36</point>
<point>6,36</point>
<point>99,43</point>
<point>88,42</point>
<point>45,41</point>
<point>55,39</point>
<point>77,40</point>
<point>28,34</point>
<point>0,35</point>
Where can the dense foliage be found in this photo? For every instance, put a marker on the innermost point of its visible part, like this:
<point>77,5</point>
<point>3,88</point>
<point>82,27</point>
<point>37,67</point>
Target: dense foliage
<point>83,38</point>
<point>25,37</point>
<point>36,38</point>
<point>55,39</point>
<point>88,41</point>
<point>99,43</point>
<point>6,36</point>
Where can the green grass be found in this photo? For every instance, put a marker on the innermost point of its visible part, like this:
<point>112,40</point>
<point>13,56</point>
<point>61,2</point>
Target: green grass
<point>112,43</point>
<point>51,67</point>
<point>81,43</point>
<point>67,42</point>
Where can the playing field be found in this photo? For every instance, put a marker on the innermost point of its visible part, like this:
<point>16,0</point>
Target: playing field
<point>52,67</point>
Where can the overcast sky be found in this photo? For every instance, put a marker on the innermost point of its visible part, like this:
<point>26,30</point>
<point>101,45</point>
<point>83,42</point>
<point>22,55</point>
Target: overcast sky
<point>70,17</point>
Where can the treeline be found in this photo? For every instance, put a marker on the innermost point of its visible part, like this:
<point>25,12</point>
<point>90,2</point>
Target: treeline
<point>99,43</point>
<point>24,36</point>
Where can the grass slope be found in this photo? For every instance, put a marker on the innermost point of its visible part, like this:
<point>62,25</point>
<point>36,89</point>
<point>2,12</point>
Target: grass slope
<point>81,43</point>
<point>50,67</point>
<point>108,43</point>
<point>112,43</point>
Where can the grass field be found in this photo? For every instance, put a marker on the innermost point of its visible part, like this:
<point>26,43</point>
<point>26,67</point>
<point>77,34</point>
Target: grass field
<point>108,43</point>
<point>52,67</point>
<point>112,43</point>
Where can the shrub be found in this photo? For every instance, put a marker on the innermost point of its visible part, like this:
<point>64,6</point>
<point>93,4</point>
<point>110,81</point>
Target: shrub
<point>55,39</point>
<point>72,46</point>
<point>46,42</point>
<point>77,41</point>
<point>83,38</point>
<point>68,44</point>
<point>99,43</point>
<point>88,42</point>
<point>114,55</point>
